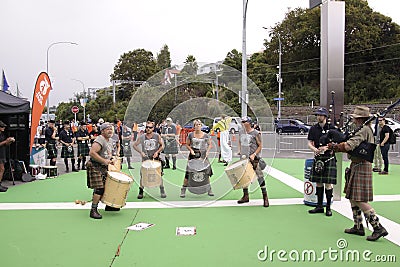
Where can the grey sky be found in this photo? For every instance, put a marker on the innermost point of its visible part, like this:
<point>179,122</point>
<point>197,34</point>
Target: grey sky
<point>105,29</point>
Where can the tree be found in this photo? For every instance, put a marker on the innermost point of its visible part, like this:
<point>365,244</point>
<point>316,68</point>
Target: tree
<point>164,58</point>
<point>191,65</point>
<point>371,45</point>
<point>136,65</point>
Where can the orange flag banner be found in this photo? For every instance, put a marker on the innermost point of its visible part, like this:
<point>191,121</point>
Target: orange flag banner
<point>42,90</point>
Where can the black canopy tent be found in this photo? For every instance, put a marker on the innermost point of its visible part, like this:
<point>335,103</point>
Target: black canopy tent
<point>14,112</point>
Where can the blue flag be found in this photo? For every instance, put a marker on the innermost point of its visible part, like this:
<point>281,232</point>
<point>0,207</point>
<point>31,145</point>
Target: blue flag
<point>5,84</point>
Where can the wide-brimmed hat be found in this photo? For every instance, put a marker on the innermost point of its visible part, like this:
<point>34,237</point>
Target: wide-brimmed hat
<point>322,111</point>
<point>2,124</point>
<point>168,119</point>
<point>361,112</point>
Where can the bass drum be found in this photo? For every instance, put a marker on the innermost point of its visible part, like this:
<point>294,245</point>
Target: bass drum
<point>199,174</point>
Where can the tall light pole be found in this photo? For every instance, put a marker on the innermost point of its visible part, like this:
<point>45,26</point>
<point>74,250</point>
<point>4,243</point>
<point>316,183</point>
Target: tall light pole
<point>83,103</point>
<point>47,71</point>
<point>279,78</point>
<point>243,96</point>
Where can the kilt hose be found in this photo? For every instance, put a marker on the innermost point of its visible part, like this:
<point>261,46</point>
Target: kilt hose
<point>51,151</point>
<point>358,186</point>
<point>83,149</point>
<point>96,174</point>
<point>329,173</point>
<point>67,152</point>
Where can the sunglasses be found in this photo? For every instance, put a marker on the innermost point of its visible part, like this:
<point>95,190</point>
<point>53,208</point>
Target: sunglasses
<point>149,127</point>
<point>380,120</point>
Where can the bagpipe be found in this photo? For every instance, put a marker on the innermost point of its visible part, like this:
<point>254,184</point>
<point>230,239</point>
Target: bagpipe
<point>338,135</point>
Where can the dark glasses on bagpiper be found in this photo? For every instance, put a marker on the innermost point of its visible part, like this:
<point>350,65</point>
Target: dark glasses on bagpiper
<point>149,127</point>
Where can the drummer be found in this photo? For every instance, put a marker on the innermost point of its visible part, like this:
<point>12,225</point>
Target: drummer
<point>96,168</point>
<point>67,139</point>
<point>251,146</point>
<point>82,138</point>
<point>152,145</point>
<point>168,133</point>
<point>199,144</point>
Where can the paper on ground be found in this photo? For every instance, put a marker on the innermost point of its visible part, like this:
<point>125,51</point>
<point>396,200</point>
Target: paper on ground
<point>140,226</point>
<point>191,230</point>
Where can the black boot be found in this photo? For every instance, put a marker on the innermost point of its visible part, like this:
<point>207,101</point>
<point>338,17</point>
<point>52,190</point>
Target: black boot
<point>174,163</point>
<point>66,165</point>
<point>162,192</point>
<point>79,164</point>
<point>265,199</point>
<point>379,230</point>
<point>3,188</point>
<point>109,208</point>
<point>95,214</point>
<point>358,228</point>
<point>129,163</point>
<point>245,197</point>
<point>167,163</point>
<point>73,165</point>
<point>84,163</point>
<point>140,195</point>
<point>320,196</point>
<point>328,194</point>
<point>210,192</point>
<point>183,191</point>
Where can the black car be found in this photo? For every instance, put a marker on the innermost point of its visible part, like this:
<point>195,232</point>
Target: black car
<point>204,127</point>
<point>291,126</point>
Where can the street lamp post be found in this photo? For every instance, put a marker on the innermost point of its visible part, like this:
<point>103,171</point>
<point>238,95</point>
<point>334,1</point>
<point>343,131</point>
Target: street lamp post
<point>83,103</point>
<point>47,71</point>
<point>243,96</point>
<point>279,77</point>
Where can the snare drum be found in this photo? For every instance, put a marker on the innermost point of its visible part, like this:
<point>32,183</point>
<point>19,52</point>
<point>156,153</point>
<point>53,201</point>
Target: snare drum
<point>240,174</point>
<point>151,173</point>
<point>34,170</point>
<point>198,176</point>
<point>50,171</point>
<point>116,167</point>
<point>116,189</point>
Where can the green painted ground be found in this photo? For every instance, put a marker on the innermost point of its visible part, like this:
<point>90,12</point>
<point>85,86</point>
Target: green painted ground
<point>226,236</point>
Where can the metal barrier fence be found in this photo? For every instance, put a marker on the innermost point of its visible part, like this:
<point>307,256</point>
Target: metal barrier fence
<point>299,143</point>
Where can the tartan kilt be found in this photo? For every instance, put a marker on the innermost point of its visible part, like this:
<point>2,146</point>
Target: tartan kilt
<point>83,149</point>
<point>171,146</point>
<point>358,186</point>
<point>96,175</point>
<point>329,173</point>
<point>51,151</point>
<point>126,149</point>
<point>65,153</point>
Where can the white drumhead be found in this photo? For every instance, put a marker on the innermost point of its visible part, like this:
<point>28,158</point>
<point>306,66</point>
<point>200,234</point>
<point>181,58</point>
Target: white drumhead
<point>237,164</point>
<point>151,164</point>
<point>120,176</point>
<point>34,166</point>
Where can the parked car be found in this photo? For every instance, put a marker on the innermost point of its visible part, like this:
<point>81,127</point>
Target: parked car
<point>234,127</point>
<point>392,123</point>
<point>204,127</point>
<point>291,126</point>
